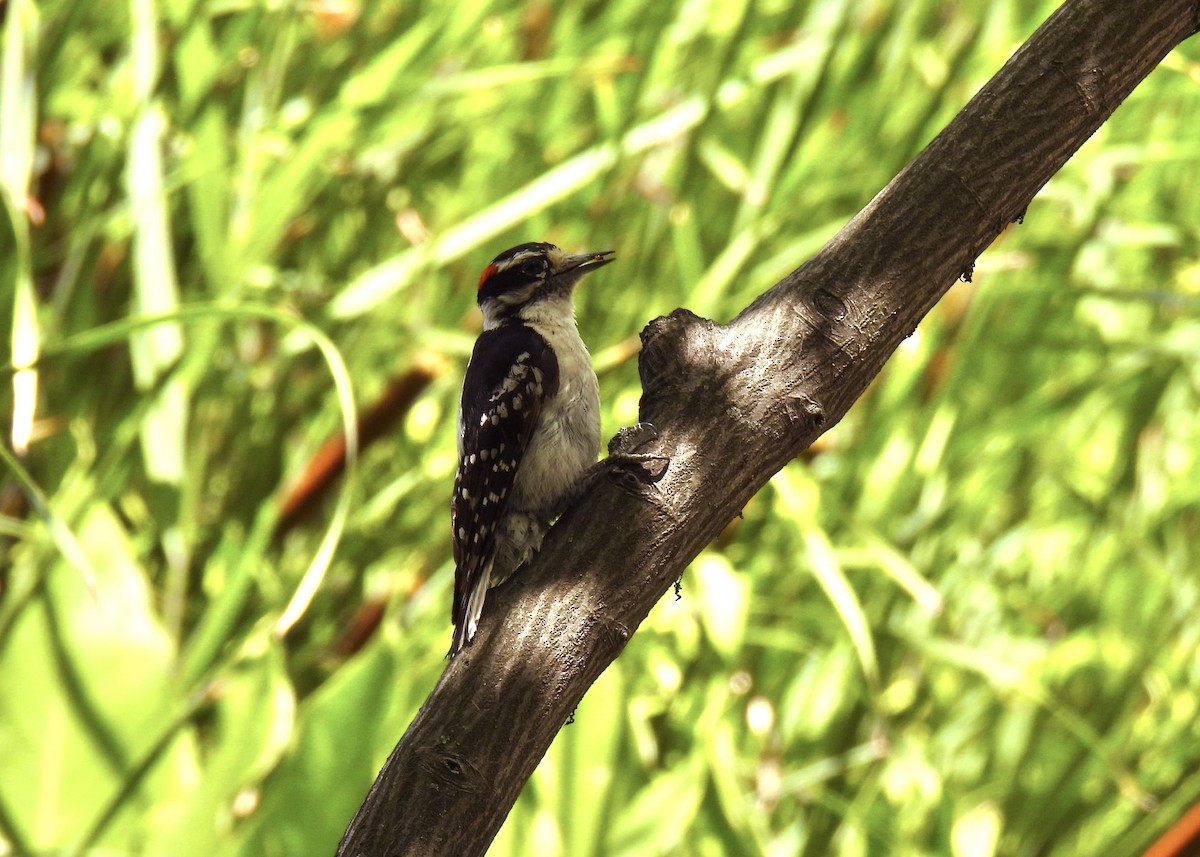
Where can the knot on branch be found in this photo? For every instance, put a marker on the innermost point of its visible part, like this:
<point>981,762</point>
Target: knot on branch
<point>452,769</point>
<point>804,414</point>
<point>829,304</point>
<point>611,637</point>
<point>1092,87</point>
<point>632,438</point>
<point>678,352</point>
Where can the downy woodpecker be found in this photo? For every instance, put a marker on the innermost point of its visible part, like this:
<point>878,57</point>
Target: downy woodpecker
<point>528,420</point>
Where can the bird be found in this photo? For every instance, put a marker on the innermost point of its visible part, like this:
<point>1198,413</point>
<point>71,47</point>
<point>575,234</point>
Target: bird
<point>528,420</point>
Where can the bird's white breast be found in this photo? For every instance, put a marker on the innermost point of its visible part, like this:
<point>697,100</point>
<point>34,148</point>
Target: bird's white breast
<point>567,439</point>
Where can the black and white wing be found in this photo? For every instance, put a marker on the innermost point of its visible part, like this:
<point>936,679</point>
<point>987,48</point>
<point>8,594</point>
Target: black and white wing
<point>512,370</point>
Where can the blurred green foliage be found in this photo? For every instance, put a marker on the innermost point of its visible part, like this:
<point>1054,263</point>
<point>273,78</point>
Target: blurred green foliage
<point>964,624</point>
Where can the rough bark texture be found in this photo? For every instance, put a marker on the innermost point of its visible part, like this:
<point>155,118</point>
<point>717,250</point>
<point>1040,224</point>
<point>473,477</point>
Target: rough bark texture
<point>732,404</point>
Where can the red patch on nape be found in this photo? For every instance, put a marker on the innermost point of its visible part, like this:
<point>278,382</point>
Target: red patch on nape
<point>487,272</point>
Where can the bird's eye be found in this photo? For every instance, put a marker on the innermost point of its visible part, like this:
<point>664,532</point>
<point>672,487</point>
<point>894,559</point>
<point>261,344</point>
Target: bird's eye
<point>533,268</point>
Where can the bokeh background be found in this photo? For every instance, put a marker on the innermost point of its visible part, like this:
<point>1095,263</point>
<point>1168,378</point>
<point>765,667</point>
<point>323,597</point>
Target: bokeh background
<point>964,623</point>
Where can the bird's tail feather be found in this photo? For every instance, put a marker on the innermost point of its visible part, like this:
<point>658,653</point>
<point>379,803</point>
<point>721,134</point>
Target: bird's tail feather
<point>469,613</point>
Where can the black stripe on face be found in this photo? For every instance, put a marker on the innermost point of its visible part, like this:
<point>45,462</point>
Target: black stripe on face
<point>515,270</point>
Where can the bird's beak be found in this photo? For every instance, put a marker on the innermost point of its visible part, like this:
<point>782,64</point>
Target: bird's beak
<point>588,261</point>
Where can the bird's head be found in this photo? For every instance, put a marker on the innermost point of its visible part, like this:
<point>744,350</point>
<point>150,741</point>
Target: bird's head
<point>528,274</point>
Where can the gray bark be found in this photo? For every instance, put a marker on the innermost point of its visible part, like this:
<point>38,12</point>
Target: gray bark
<point>732,404</point>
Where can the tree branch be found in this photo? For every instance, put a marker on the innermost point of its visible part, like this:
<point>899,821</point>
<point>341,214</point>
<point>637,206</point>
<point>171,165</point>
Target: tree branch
<point>732,404</point>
